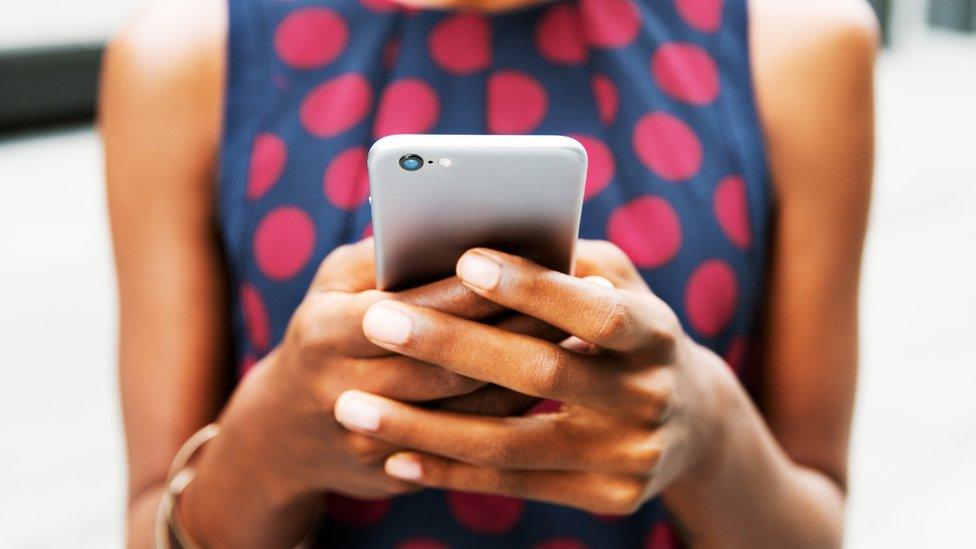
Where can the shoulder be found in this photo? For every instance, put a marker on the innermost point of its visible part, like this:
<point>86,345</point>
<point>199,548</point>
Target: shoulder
<point>813,65</point>
<point>166,67</point>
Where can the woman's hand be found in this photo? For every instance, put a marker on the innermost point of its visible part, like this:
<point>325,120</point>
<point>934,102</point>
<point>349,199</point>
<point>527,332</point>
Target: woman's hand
<point>278,431</point>
<point>640,410</point>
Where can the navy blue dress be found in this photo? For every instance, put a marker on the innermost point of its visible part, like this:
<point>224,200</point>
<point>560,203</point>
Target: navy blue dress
<point>658,91</point>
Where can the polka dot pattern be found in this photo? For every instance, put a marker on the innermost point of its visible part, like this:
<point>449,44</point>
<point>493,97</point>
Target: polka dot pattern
<point>711,297</point>
<point>648,230</point>
<point>517,102</point>
<point>409,105</point>
<point>461,44</point>
<point>346,181</point>
<point>422,543</point>
<point>732,210</point>
<point>310,38</point>
<point>268,156</point>
<point>557,36</point>
<point>701,15</point>
<point>380,6</point>
<point>668,146</point>
<point>607,98</point>
<point>735,355</point>
<point>561,543</point>
<point>649,92</point>
<point>336,105</point>
<point>255,316</point>
<point>661,537</point>
<point>485,514</point>
<point>358,513</point>
<point>610,23</point>
<point>686,72</point>
<point>283,242</point>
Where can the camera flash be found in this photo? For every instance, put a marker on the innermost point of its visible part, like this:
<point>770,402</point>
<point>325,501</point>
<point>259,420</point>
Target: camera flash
<point>446,162</point>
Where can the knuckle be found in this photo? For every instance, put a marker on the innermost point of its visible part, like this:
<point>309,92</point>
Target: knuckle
<point>616,324</point>
<point>495,453</point>
<point>624,497</point>
<point>651,396</point>
<point>552,372</point>
<point>646,456</point>
<point>309,324</point>
<point>366,450</point>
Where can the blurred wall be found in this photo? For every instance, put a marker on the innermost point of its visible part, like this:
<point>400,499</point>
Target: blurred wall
<point>27,23</point>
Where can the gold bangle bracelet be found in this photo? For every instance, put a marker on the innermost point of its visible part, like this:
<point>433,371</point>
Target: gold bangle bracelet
<point>168,526</point>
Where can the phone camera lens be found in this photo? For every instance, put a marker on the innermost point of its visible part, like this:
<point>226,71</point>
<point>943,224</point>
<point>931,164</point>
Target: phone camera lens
<point>411,162</point>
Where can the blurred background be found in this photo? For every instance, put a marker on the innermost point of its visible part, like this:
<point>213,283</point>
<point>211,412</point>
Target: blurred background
<point>914,453</point>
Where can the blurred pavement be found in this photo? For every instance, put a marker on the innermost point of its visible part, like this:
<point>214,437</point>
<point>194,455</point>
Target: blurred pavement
<point>914,460</point>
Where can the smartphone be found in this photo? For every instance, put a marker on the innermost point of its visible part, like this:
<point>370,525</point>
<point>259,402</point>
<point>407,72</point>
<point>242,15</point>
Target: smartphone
<point>434,197</point>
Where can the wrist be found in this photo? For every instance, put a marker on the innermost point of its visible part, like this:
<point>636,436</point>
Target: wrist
<point>240,497</point>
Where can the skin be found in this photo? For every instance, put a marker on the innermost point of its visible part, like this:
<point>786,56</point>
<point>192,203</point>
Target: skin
<point>301,422</point>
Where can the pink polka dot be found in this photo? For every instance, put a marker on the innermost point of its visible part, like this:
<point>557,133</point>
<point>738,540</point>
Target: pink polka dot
<point>381,6</point>
<point>648,230</point>
<point>668,146</point>
<point>309,38</point>
<point>686,72</point>
<point>660,537</point>
<point>367,232</point>
<point>601,167</point>
<point>283,242</point>
<point>561,543</point>
<point>255,316</point>
<point>485,514</point>
<point>732,210</point>
<point>409,105</point>
<point>557,36</point>
<point>268,157</point>
<point>346,181</point>
<point>336,105</point>
<point>609,519</point>
<point>735,354</point>
<point>391,52</point>
<point>711,297</point>
<point>701,15</point>
<point>246,366</point>
<point>461,43</point>
<point>607,98</point>
<point>517,103</point>
<point>422,543</point>
<point>547,406</point>
<point>610,23</point>
<point>356,512</point>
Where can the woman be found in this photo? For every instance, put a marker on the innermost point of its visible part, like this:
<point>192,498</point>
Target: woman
<point>730,149</point>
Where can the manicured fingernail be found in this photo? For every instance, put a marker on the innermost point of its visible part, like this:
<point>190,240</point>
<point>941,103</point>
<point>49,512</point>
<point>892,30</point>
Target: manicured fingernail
<point>355,412</point>
<point>479,271</point>
<point>384,322</point>
<point>403,467</point>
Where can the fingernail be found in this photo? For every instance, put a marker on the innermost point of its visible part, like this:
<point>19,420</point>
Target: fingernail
<point>479,271</point>
<point>386,323</point>
<point>355,412</point>
<point>403,467</point>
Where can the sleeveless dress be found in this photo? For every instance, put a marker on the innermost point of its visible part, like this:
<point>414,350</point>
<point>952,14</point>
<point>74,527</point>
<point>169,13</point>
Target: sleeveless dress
<point>658,91</point>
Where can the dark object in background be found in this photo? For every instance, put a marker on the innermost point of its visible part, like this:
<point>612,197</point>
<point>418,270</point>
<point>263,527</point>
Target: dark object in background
<point>47,85</point>
<point>883,9</point>
<point>959,15</point>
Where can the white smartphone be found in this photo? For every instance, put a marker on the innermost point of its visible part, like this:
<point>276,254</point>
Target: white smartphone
<point>434,197</point>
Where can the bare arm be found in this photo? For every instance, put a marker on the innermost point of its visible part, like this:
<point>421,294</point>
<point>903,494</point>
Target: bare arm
<point>814,71</point>
<point>159,117</point>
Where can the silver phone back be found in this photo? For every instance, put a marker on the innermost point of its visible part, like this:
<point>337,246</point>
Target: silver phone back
<point>519,194</point>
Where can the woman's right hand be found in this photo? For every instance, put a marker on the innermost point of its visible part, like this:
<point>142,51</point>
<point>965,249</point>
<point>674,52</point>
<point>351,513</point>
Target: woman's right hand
<point>280,446</point>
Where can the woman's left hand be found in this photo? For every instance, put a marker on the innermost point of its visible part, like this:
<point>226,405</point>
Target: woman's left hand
<point>641,403</point>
